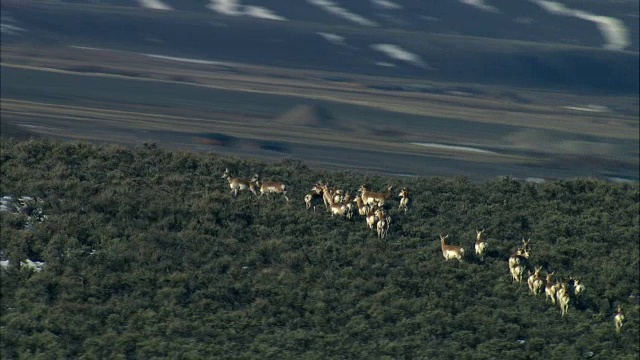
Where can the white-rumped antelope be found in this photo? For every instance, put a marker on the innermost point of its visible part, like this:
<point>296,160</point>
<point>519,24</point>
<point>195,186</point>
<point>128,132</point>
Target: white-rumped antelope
<point>526,247</point>
<point>328,195</point>
<point>563,298</point>
<point>370,197</point>
<point>480,245</point>
<point>238,184</point>
<point>535,281</point>
<point>578,288</point>
<point>404,199</point>
<point>450,252</point>
<point>337,208</point>
<point>519,258</point>
<point>313,200</point>
<point>372,216</point>
<point>383,224</point>
<point>363,208</point>
<point>517,272</point>
<point>550,288</point>
<point>268,187</point>
<point>619,319</point>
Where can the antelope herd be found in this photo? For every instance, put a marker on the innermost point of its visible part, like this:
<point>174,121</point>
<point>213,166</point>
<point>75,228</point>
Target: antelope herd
<point>371,206</point>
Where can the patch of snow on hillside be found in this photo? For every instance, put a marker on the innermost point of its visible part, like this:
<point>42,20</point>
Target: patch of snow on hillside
<point>612,29</point>
<point>332,38</point>
<point>479,4</point>
<point>188,60</point>
<point>262,13</point>
<point>154,4</point>
<point>398,53</point>
<point>453,147</point>
<point>333,8</point>
<point>7,26</point>
<point>234,8</point>
<point>386,4</point>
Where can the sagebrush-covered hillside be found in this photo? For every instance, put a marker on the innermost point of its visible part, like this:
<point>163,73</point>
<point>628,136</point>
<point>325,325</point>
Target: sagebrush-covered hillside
<point>147,255</point>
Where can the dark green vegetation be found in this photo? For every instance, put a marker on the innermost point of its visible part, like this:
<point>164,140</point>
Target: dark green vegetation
<point>148,255</point>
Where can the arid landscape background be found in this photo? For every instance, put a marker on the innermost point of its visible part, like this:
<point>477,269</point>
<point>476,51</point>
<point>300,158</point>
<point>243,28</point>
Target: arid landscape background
<point>264,87</point>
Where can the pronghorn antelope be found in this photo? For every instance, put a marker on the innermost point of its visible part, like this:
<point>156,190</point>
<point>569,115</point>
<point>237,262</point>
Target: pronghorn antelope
<point>517,272</point>
<point>563,299</point>
<point>516,258</point>
<point>550,288</point>
<point>349,210</point>
<point>238,184</point>
<point>267,187</point>
<point>312,200</point>
<point>517,264</point>
<point>619,319</point>
<point>578,287</point>
<point>526,247</point>
<point>340,209</point>
<point>450,252</point>
<point>370,197</point>
<point>535,281</point>
<point>328,195</point>
<point>480,245</point>
<point>383,224</point>
<point>404,199</point>
<point>372,216</point>
<point>363,208</point>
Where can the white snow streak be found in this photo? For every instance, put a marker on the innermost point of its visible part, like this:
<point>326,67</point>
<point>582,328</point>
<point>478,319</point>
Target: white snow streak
<point>398,53</point>
<point>333,8</point>
<point>234,8</point>
<point>154,4</point>
<point>386,4</point>
<point>480,5</point>
<point>612,29</point>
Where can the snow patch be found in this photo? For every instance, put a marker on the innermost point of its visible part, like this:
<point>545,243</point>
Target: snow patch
<point>454,147</point>
<point>479,4</point>
<point>187,60</point>
<point>398,53</point>
<point>386,4</point>
<point>333,8</point>
<point>234,8</point>
<point>612,29</point>
<point>36,266</point>
<point>332,38</point>
<point>154,4</point>
<point>8,27</point>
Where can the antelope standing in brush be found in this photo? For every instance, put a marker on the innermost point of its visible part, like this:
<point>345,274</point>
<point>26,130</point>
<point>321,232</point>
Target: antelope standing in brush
<point>450,252</point>
<point>480,245</point>
<point>328,195</point>
<point>238,184</point>
<point>526,247</point>
<point>516,273</point>
<point>313,200</point>
<point>578,287</point>
<point>268,187</point>
<point>517,264</point>
<point>372,216</point>
<point>370,197</point>
<point>563,298</point>
<point>618,319</point>
<point>550,288</point>
<point>383,224</point>
<point>337,208</point>
<point>535,281</point>
<point>404,199</point>
<point>363,208</point>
